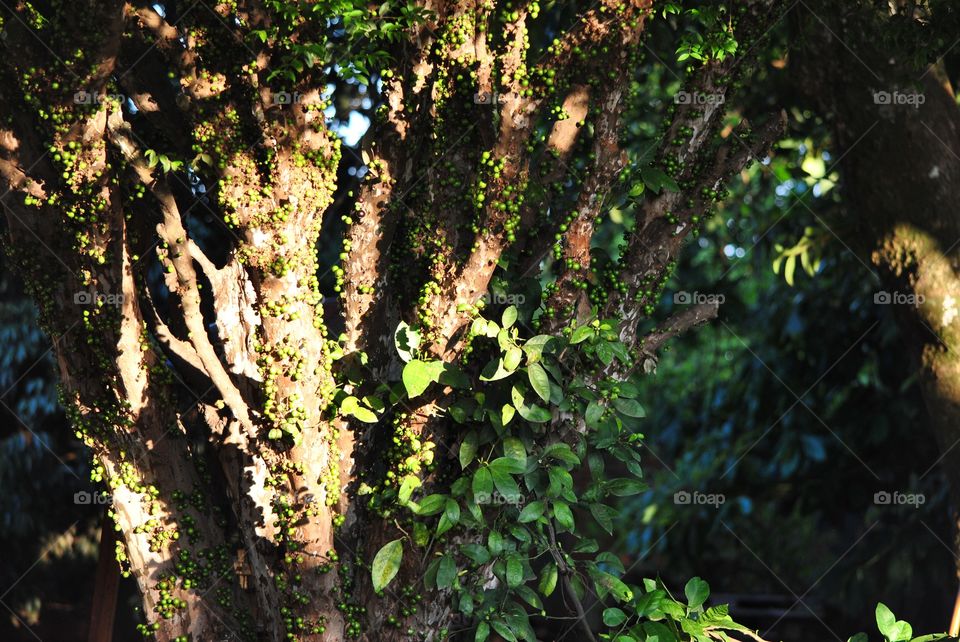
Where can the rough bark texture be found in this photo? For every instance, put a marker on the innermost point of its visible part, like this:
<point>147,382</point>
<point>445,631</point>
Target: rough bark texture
<point>248,504</point>
<point>900,168</point>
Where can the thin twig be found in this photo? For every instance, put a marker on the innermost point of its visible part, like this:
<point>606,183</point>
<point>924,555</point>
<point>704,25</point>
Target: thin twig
<point>567,586</point>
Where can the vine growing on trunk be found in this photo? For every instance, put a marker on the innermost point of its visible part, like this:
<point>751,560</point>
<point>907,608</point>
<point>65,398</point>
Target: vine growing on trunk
<point>434,466</point>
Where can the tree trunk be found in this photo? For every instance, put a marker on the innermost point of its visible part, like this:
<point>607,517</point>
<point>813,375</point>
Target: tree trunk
<point>254,475</point>
<point>897,130</point>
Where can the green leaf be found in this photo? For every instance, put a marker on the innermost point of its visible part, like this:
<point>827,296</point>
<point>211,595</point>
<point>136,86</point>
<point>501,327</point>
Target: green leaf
<point>534,414</point>
<point>483,632</point>
<point>418,375</point>
<point>466,604</point>
<point>512,358</point>
<point>421,535</point>
<point>431,505</point>
<point>893,630</point>
<point>516,396</point>
<point>563,515</point>
<point>454,377</point>
<point>477,553</point>
<point>586,546</point>
<point>529,596</point>
<point>430,576</point>
<point>719,614</point>
<point>624,487</point>
<point>450,517</point>
<point>535,346</point>
<point>562,452</point>
<point>510,465</point>
<point>514,449</point>
<point>629,407</point>
<point>656,179</point>
<point>468,448</point>
<point>507,413</point>
<point>581,334</point>
<point>697,592</point>
<point>532,512</point>
<point>503,630</point>
<point>548,579</point>
<point>351,406</point>
<point>902,632</point>
<point>446,572</point>
<point>539,381</point>
<point>658,632</point>
<point>458,413</point>
<point>407,486</point>
<point>478,327</point>
<point>603,515</point>
<point>614,617</point>
<point>521,534</point>
<point>560,480</point>
<point>694,629</point>
<point>495,542</point>
<point>509,316</point>
<point>593,414</point>
<point>885,620</point>
<point>605,353</point>
<point>386,563</point>
<point>611,584</point>
<point>482,483</point>
<point>506,486</point>
<point>514,571</point>
<point>407,341</point>
<point>494,371</point>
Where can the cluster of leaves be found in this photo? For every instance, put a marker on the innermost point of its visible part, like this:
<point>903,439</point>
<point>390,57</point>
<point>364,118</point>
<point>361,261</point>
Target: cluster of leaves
<point>894,630</point>
<point>355,35</point>
<point>709,34</point>
<point>518,509</point>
